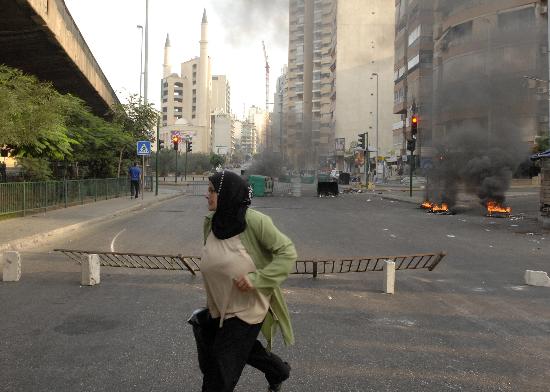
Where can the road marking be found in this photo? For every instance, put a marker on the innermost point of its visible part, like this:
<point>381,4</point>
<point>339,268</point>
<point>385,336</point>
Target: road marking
<point>114,239</point>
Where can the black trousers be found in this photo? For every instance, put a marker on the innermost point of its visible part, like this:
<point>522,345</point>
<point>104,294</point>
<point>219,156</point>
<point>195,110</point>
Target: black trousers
<point>224,352</point>
<point>134,188</point>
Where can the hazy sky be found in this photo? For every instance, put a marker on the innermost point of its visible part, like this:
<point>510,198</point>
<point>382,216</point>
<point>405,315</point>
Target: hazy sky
<point>236,31</point>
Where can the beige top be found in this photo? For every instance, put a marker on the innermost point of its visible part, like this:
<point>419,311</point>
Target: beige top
<point>221,262</point>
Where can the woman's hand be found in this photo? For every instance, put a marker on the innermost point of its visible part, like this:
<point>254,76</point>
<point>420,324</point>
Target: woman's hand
<point>243,283</point>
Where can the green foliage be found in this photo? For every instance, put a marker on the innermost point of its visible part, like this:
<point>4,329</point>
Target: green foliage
<point>43,127</point>
<point>35,169</point>
<point>216,160</point>
<point>541,144</point>
<point>197,163</point>
<point>136,118</point>
<point>32,116</point>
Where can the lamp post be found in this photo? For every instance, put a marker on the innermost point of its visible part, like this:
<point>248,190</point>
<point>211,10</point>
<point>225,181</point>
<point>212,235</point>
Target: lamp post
<point>377,144</point>
<point>141,62</point>
<point>146,68</point>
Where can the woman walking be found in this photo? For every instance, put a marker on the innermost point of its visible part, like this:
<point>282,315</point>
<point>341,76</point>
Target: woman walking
<point>244,261</point>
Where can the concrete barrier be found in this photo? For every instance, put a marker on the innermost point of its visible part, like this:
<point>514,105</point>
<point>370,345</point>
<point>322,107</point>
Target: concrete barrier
<point>90,273</point>
<point>389,277</point>
<point>537,278</point>
<point>11,271</point>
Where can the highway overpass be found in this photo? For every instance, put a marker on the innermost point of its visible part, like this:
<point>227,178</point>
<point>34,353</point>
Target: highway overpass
<point>41,38</point>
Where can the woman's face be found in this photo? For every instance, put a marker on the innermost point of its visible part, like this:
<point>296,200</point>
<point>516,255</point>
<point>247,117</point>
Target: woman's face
<point>212,197</point>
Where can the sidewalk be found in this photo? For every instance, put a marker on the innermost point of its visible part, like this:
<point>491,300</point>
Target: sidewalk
<point>35,229</point>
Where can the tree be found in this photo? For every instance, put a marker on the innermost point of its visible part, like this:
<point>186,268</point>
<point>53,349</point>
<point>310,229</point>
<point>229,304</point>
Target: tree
<point>136,119</point>
<point>32,116</point>
<point>216,160</point>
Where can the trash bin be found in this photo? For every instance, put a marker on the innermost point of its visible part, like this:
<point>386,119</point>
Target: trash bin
<point>344,178</point>
<point>258,185</point>
<point>329,188</point>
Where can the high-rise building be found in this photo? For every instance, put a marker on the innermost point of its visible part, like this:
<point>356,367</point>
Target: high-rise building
<point>307,148</point>
<point>491,68</point>
<point>186,97</point>
<point>221,94</point>
<point>413,70</point>
<point>363,59</point>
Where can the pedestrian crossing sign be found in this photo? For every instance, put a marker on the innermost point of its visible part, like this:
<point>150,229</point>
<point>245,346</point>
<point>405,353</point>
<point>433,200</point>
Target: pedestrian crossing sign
<point>144,147</point>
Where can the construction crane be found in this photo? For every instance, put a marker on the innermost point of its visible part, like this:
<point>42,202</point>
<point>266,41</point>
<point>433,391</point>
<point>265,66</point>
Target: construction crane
<point>266,78</point>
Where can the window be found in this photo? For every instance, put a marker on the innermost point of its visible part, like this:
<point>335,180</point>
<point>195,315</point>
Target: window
<point>414,35</point>
<point>515,20</point>
<point>413,61</point>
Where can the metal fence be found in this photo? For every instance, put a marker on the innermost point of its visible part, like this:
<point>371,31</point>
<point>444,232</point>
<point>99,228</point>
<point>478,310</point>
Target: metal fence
<point>303,267</point>
<point>20,198</point>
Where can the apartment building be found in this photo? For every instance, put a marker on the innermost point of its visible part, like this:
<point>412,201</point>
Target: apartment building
<point>221,94</point>
<point>304,149</point>
<point>413,77</point>
<point>491,68</point>
<point>363,61</point>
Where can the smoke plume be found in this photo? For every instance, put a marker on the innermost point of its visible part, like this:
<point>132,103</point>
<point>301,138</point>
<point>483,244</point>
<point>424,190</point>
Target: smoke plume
<point>247,20</point>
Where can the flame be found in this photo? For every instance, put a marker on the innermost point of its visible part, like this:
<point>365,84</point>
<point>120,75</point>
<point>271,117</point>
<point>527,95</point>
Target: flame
<point>427,205</point>
<point>493,206</point>
<point>440,208</point>
<point>434,207</point>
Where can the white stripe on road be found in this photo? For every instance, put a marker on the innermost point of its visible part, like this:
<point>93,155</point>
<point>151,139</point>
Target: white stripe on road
<point>114,239</point>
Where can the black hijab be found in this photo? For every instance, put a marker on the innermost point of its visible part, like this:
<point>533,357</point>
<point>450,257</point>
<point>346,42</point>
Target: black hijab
<point>233,201</point>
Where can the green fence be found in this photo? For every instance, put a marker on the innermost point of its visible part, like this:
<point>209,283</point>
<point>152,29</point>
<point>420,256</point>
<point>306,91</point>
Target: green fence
<point>20,198</point>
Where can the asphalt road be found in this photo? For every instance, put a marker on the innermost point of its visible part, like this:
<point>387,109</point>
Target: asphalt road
<point>470,325</point>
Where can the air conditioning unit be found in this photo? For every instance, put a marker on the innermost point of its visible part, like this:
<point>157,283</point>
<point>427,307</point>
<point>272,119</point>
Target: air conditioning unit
<point>543,9</point>
<point>542,90</point>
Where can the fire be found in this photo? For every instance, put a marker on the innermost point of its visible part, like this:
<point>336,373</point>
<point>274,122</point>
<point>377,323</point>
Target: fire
<point>427,205</point>
<point>443,208</point>
<point>434,207</point>
<point>494,207</point>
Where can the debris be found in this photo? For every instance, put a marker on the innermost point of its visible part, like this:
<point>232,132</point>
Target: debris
<point>451,235</point>
<point>393,236</point>
<point>329,297</point>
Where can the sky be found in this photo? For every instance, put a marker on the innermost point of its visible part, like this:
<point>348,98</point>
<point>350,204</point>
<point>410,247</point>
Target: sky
<point>236,31</point>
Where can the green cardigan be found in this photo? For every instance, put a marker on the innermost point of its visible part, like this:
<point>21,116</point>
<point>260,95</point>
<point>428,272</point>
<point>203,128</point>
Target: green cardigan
<point>274,255</point>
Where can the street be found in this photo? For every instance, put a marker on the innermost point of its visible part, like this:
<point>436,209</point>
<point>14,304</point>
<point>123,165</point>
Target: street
<point>471,324</point>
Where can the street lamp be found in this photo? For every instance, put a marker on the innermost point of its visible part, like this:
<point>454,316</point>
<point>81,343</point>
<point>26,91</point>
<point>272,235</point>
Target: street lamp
<point>377,144</point>
<point>146,68</point>
<point>141,62</point>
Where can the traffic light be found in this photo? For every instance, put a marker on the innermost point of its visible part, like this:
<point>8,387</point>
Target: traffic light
<point>189,146</point>
<point>175,141</point>
<point>414,125</point>
<point>362,144</point>
<point>411,145</point>
<point>160,144</point>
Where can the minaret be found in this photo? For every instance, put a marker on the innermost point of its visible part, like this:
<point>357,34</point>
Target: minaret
<point>166,66</point>
<point>202,90</point>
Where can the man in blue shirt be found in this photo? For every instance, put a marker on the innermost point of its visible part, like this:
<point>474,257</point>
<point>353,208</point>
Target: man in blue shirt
<point>135,175</point>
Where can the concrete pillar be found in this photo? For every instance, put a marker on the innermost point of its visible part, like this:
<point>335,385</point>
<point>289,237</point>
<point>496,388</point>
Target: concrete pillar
<point>537,278</point>
<point>90,271</point>
<point>11,272</point>
<point>389,277</point>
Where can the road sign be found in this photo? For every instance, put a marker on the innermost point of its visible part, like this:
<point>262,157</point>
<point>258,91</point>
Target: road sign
<point>144,147</point>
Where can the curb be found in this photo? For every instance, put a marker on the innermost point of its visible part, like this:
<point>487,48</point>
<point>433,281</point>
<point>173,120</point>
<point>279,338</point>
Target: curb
<point>41,238</point>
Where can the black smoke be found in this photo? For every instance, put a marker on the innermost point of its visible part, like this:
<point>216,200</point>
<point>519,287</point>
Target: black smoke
<point>470,160</point>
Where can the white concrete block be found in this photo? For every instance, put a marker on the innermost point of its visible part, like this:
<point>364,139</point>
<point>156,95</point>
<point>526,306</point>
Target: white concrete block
<point>389,277</point>
<point>90,271</point>
<point>537,278</point>
<point>11,272</point>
